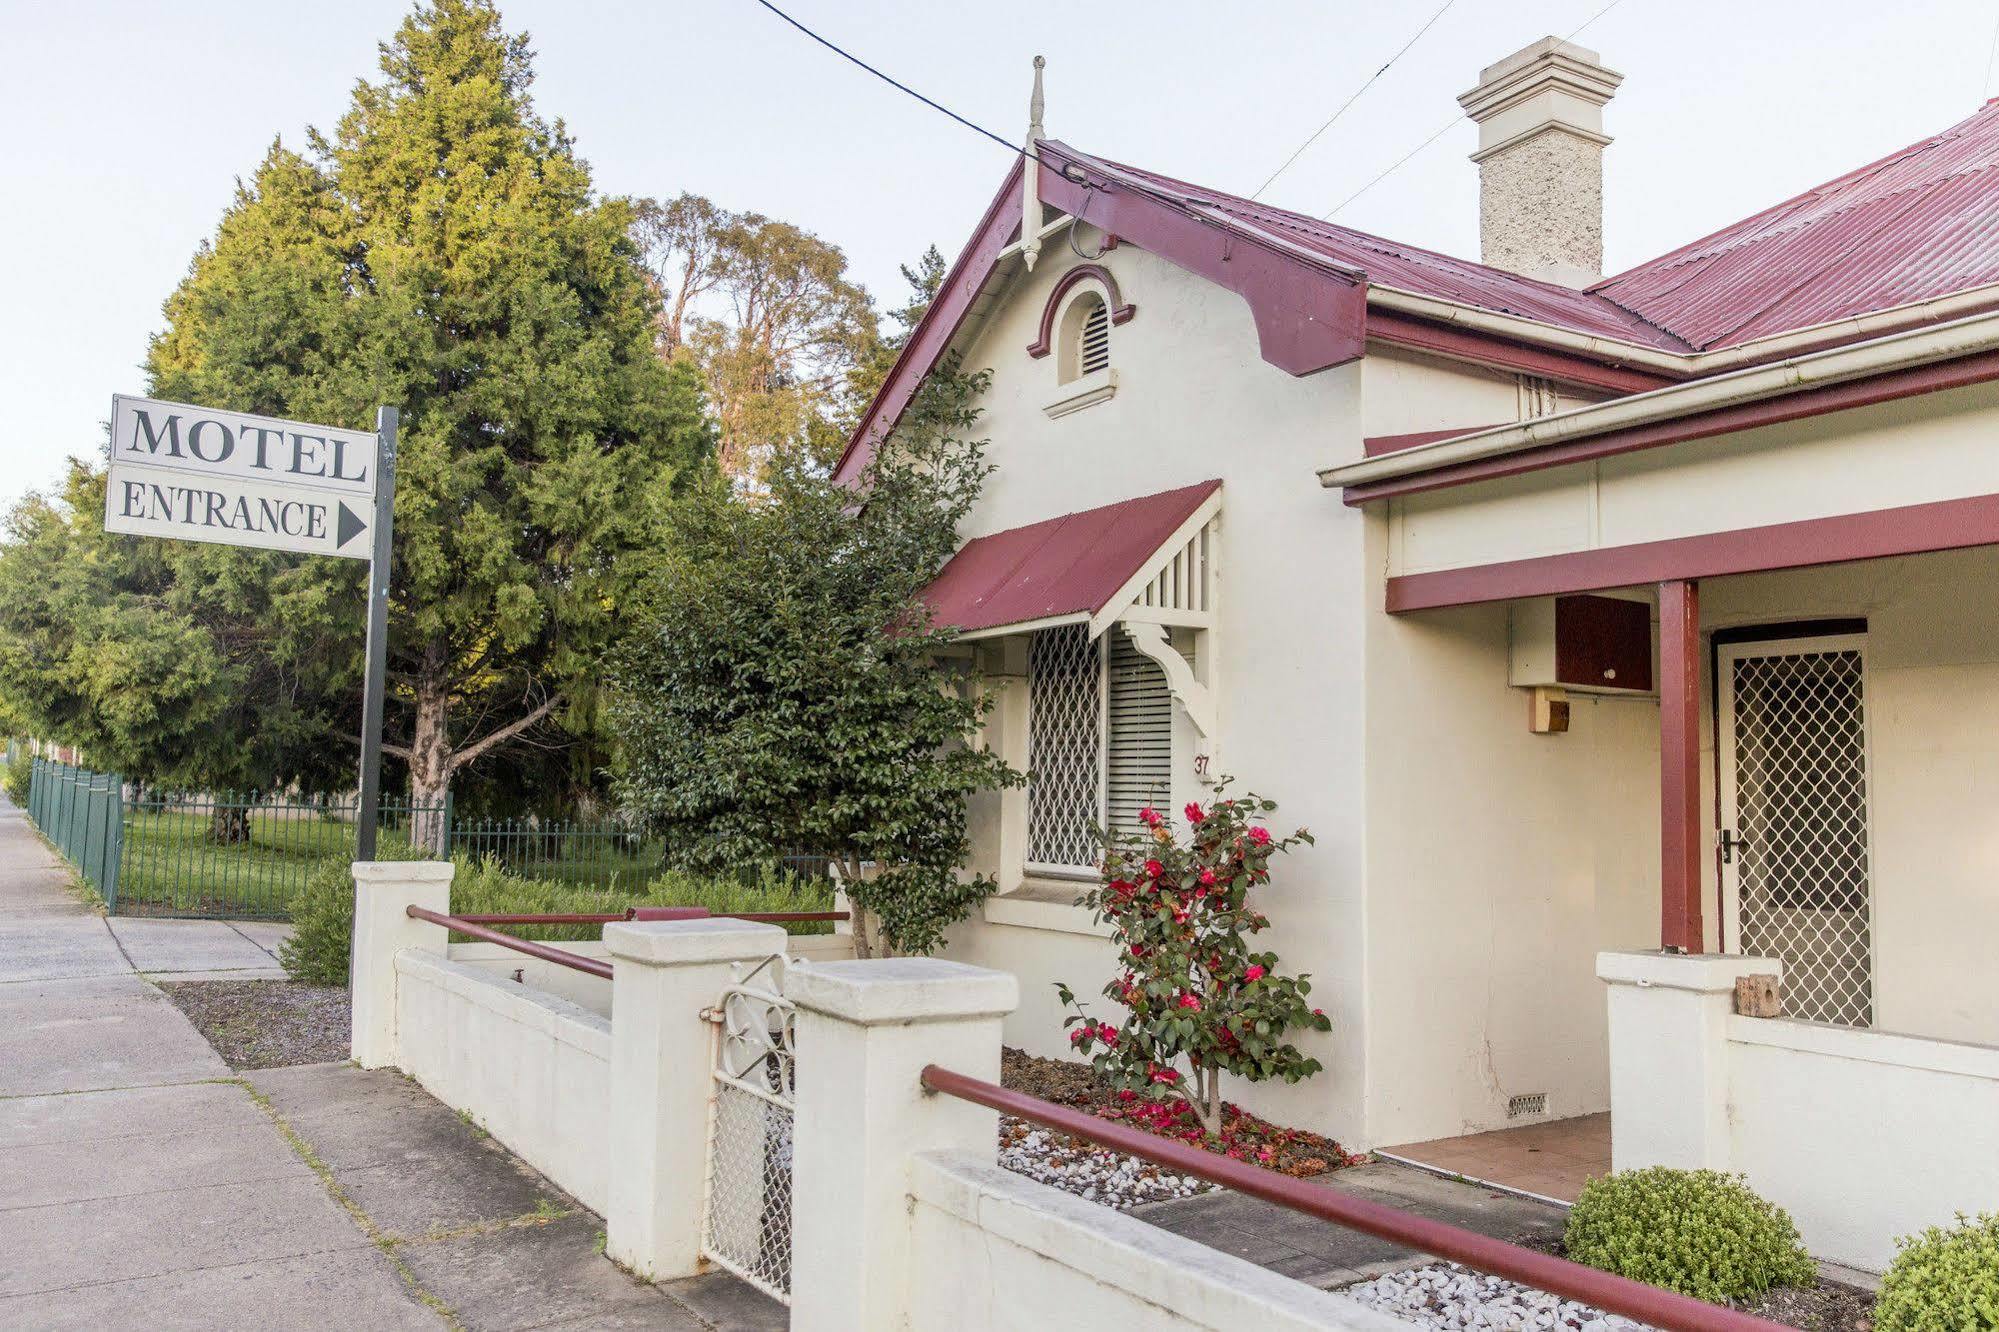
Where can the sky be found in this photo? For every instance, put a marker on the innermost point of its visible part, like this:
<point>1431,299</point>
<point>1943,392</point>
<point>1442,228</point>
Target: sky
<point>130,120</point>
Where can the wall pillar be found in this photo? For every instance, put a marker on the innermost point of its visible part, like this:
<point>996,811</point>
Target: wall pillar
<point>1680,840</point>
<point>664,973</point>
<point>383,928</point>
<point>1669,1087</point>
<point>865,1032</point>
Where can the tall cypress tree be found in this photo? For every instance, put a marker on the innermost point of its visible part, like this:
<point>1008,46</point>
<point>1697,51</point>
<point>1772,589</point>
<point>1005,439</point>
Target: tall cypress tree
<point>444,250</point>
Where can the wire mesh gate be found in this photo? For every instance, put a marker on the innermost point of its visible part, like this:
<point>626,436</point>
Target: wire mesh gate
<point>747,1223</point>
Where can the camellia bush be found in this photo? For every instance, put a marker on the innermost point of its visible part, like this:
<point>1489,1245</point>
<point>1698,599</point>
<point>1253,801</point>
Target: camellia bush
<point>1199,1000</point>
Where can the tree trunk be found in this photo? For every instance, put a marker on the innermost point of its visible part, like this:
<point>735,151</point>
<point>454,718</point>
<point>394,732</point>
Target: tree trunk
<point>430,761</point>
<point>229,824</point>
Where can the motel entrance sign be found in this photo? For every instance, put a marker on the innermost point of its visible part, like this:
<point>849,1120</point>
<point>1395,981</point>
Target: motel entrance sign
<point>191,473</point>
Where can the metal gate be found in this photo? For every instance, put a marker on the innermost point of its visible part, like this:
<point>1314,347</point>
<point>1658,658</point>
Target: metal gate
<point>1794,811</point>
<point>747,1224</point>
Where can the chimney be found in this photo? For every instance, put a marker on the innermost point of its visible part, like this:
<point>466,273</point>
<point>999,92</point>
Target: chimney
<point>1540,161</point>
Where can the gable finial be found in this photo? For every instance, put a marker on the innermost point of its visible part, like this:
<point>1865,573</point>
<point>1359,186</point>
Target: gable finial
<point>1030,174</point>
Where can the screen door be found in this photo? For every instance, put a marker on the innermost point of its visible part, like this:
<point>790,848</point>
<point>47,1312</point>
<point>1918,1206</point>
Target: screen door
<point>1792,753</point>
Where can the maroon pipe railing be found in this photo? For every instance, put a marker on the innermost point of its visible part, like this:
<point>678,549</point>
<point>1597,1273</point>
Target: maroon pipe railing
<point>546,953</point>
<point>644,913</point>
<point>1661,1308</point>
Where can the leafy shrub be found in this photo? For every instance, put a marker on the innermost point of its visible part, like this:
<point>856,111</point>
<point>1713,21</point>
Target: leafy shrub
<point>1943,1279</point>
<point>323,910</point>
<point>1699,1232</point>
<point>17,781</point>
<point>1192,988</point>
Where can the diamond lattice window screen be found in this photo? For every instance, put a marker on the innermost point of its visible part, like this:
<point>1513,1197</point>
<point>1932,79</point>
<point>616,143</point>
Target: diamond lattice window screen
<point>1138,760</point>
<point>1801,806</point>
<point>1064,747</point>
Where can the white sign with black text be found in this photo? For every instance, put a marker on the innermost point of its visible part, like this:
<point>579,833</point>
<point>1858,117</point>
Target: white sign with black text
<point>197,474</point>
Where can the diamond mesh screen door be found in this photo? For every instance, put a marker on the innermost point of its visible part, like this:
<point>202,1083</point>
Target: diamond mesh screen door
<point>1065,728</point>
<point>1793,769</point>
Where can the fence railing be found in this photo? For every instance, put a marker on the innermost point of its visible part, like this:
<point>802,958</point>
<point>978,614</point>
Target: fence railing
<point>149,851</point>
<point>1664,1309</point>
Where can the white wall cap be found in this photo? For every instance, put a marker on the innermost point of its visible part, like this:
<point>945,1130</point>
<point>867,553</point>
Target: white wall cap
<point>679,943</point>
<point>403,871</point>
<point>902,989</point>
<point>1579,70</point>
<point>1704,973</point>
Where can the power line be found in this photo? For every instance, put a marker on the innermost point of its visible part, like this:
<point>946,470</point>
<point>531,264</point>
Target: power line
<point>1447,127</point>
<point>894,83</point>
<point>1992,52</point>
<point>1431,23</point>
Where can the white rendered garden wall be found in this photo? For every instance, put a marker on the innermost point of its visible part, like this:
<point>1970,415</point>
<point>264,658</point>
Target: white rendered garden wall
<point>1863,1136</point>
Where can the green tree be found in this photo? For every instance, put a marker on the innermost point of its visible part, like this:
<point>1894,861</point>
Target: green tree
<point>444,250</point>
<point>785,691</point>
<point>175,663</point>
<point>925,280</point>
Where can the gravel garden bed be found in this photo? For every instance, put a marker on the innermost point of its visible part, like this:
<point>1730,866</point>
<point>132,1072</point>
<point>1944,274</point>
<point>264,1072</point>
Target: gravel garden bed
<point>1122,1181</point>
<point>267,1023</point>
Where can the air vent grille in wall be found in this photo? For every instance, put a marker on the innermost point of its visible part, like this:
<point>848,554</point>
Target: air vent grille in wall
<point>1096,339</point>
<point>1528,1103</point>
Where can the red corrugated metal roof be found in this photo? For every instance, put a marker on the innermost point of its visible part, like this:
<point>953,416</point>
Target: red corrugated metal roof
<point>1389,263</point>
<point>1919,223</point>
<point>1070,565</point>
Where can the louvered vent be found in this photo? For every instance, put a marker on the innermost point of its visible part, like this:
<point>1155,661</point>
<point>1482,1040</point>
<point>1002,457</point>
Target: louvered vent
<point>1138,768</point>
<point>1096,347</point>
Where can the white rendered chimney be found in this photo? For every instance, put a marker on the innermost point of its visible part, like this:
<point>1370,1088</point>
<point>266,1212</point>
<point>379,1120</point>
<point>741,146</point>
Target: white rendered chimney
<point>1540,160</point>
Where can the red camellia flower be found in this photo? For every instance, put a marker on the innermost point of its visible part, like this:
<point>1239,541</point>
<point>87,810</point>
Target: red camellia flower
<point>1150,817</point>
<point>1260,835</point>
<point>1192,1001</point>
<point>1166,1076</point>
<point>1153,869</point>
<point>1208,877</point>
<point>1253,971</point>
<point>1194,814</point>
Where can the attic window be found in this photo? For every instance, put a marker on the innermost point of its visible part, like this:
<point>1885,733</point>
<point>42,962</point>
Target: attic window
<point>1086,338</point>
<point>1095,349</point>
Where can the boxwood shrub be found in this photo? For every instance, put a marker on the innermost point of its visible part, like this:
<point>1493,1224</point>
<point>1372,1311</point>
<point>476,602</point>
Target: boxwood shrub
<point>1943,1280</point>
<point>322,911</point>
<point>1699,1232</point>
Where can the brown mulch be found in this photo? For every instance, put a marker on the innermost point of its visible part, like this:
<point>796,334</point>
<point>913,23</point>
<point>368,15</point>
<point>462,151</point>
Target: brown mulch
<point>1824,1306</point>
<point>1244,1136</point>
<point>267,1023</point>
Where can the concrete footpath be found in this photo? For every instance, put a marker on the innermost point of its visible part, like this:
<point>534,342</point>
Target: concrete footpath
<point>143,1184</point>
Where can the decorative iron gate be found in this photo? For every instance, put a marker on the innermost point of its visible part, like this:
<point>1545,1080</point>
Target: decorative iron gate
<point>747,1227</point>
<point>1794,841</point>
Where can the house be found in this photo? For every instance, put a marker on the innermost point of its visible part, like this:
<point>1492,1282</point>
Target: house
<point>1617,637</point>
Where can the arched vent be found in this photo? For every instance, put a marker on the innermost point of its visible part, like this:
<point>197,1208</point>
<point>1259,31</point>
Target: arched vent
<point>1094,350</point>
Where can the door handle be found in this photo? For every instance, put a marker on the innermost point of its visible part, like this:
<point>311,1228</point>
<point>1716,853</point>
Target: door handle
<point>1730,840</point>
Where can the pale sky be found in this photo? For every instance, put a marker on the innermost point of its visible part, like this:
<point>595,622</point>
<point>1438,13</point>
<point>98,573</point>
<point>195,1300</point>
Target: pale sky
<point>128,123</point>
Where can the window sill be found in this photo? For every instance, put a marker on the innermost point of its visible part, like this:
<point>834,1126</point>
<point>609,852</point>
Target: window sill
<point>1087,391</point>
<point>1046,904</point>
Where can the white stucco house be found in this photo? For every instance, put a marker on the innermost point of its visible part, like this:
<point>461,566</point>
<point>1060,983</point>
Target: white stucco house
<point>1615,636</point>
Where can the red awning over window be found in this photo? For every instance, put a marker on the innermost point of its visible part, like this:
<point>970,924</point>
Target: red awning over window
<point>1067,567</point>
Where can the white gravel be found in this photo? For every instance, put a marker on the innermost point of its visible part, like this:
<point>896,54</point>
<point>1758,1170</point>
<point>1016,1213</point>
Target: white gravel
<point>1445,1295</point>
<point>1091,1173</point>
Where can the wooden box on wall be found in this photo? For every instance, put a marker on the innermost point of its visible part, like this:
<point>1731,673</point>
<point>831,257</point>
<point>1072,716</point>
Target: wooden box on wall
<point>1588,643</point>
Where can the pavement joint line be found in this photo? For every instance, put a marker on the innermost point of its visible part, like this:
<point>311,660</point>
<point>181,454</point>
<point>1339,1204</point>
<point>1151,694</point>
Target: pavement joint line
<point>383,1242</point>
<point>123,1086</point>
<point>543,1215</point>
<point>119,943</point>
<point>238,931</point>
<point>147,1193</point>
<point>176,1271</point>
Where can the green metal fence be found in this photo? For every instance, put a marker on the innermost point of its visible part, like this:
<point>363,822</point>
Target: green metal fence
<point>82,812</point>
<point>157,853</point>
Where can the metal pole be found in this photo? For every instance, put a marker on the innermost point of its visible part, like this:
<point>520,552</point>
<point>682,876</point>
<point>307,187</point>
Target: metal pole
<point>386,421</point>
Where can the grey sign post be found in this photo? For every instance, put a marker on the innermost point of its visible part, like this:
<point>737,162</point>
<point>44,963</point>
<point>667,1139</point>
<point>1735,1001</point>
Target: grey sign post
<point>201,474</point>
<point>386,421</point>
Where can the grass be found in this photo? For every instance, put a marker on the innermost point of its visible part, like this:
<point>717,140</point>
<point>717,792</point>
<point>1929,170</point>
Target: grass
<point>172,864</point>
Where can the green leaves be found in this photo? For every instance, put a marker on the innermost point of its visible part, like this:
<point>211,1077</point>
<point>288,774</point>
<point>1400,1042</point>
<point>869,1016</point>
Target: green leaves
<point>1699,1232</point>
<point>1946,1277</point>
<point>785,689</point>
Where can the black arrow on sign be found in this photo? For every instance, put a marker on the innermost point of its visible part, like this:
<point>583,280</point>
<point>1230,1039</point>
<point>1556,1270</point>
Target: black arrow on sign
<point>347,526</point>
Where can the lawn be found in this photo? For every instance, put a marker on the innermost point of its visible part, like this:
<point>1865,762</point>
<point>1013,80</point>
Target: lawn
<point>172,865</point>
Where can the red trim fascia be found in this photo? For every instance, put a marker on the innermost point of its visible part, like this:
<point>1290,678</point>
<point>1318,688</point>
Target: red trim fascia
<point>933,333</point>
<point>1121,312</point>
<point>1960,373</point>
<point>1912,529</point>
<point>1309,315</point>
<point>1376,445</point>
<point>1679,766</point>
<point>1403,330</point>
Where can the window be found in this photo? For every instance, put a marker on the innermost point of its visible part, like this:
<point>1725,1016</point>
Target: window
<point>1099,743</point>
<point>1086,337</point>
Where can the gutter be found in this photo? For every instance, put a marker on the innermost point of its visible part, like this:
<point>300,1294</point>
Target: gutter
<point>1921,346</point>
